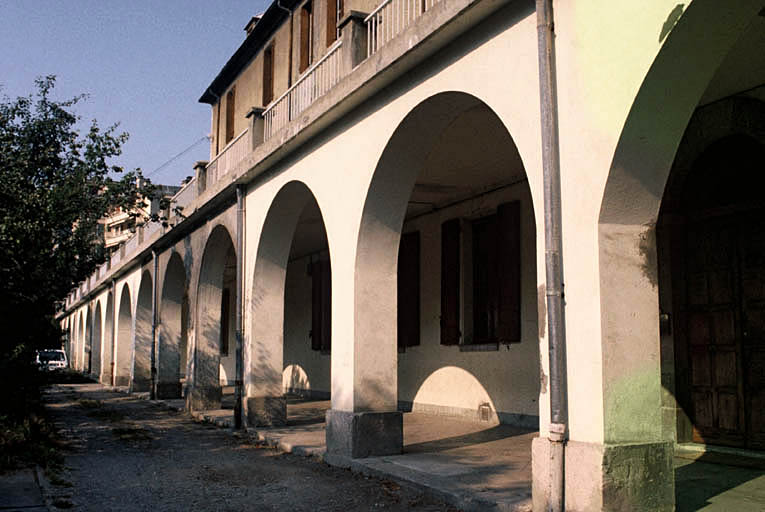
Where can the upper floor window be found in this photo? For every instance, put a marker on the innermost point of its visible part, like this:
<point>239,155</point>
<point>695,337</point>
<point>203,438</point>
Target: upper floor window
<point>268,74</point>
<point>334,9</point>
<point>230,109</point>
<point>306,33</point>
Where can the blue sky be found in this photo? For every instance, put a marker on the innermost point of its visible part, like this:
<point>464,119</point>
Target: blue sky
<point>143,63</point>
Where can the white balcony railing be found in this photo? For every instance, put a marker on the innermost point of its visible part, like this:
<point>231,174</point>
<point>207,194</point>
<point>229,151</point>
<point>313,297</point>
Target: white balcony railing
<point>315,82</point>
<point>184,196</point>
<point>227,159</point>
<point>390,18</point>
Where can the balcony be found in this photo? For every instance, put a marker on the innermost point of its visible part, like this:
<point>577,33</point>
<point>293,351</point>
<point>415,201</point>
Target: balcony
<point>315,82</point>
<point>227,159</point>
<point>390,18</point>
<point>355,68</point>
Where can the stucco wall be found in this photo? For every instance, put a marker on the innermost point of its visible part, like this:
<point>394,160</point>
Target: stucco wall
<point>437,375</point>
<point>305,369</point>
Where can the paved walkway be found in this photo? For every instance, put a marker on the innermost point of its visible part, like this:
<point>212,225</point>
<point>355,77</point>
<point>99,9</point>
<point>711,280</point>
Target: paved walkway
<point>470,464</point>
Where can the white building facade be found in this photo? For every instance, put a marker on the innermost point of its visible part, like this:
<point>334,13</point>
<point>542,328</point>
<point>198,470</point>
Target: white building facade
<point>370,228</point>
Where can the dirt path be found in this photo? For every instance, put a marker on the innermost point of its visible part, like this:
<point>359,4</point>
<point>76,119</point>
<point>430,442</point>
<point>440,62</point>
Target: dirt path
<point>126,453</point>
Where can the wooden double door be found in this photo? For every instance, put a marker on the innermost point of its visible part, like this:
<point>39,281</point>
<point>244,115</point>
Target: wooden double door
<point>723,329</point>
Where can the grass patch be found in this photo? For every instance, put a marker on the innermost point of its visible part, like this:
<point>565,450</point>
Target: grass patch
<point>27,442</point>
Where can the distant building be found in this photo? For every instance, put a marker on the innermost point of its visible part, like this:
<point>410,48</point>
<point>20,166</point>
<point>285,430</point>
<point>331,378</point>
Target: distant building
<point>120,225</point>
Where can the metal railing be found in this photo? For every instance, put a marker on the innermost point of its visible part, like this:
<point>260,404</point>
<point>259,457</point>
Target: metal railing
<point>390,18</point>
<point>315,82</point>
<point>227,159</point>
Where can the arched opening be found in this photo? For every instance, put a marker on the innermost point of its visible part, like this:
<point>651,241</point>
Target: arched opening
<point>81,342</point>
<point>69,340</point>
<point>173,332</point>
<point>446,265</point>
<point>107,364</point>
<point>216,315</point>
<point>124,346</point>
<point>711,253</point>
<point>143,337</point>
<point>711,62</point>
<point>289,357</point>
<point>97,342</point>
<point>77,342</point>
<point>87,349</point>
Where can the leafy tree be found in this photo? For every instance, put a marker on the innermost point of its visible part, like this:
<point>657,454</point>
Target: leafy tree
<point>55,186</point>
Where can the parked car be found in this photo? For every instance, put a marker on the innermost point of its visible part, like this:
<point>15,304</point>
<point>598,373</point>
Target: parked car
<point>51,359</point>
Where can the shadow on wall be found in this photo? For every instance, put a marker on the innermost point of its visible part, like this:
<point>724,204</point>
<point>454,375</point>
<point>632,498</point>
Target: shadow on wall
<point>207,367</point>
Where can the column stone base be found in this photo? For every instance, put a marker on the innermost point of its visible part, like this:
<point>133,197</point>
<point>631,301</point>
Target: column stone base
<point>121,380</point>
<point>141,385</point>
<point>631,476</point>
<point>364,434</point>
<point>204,398</point>
<point>266,411</point>
<point>168,390</point>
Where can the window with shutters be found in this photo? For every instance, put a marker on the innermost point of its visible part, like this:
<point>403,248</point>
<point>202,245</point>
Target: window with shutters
<point>306,29</point>
<point>268,75</point>
<point>481,264</point>
<point>409,290</point>
<point>332,17</point>
<point>225,311</point>
<point>321,306</point>
<point>230,113</point>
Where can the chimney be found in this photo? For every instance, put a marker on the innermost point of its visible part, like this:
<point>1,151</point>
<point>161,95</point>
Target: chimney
<point>251,24</point>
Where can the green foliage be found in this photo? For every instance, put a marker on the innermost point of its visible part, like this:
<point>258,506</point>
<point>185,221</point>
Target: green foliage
<point>55,186</point>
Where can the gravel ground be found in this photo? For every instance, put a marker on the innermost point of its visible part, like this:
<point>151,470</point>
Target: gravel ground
<point>124,453</point>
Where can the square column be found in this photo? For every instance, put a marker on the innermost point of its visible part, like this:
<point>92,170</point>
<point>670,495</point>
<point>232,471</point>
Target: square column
<point>626,462</point>
<point>364,420</point>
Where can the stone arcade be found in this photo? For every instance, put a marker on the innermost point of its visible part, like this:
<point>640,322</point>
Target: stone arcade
<point>370,229</point>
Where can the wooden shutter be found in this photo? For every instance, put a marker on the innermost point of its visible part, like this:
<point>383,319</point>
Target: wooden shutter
<point>485,277</point>
<point>268,75</point>
<point>409,290</point>
<point>450,282</point>
<point>230,113</point>
<point>316,323</point>
<point>509,272</point>
<point>331,21</point>
<point>225,310</point>
<point>217,127</point>
<point>321,306</point>
<point>305,36</point>
<point>326,307</point>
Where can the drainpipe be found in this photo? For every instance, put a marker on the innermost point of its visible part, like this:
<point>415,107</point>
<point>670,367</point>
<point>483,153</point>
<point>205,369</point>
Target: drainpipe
<point>553,259</point>
<point>154,315</point>
<point>238,408</point>
<point>114,328</point>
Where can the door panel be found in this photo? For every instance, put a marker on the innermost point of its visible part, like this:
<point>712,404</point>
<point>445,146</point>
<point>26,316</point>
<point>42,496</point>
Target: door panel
<point>712,339</point>
<point>752,261</point>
